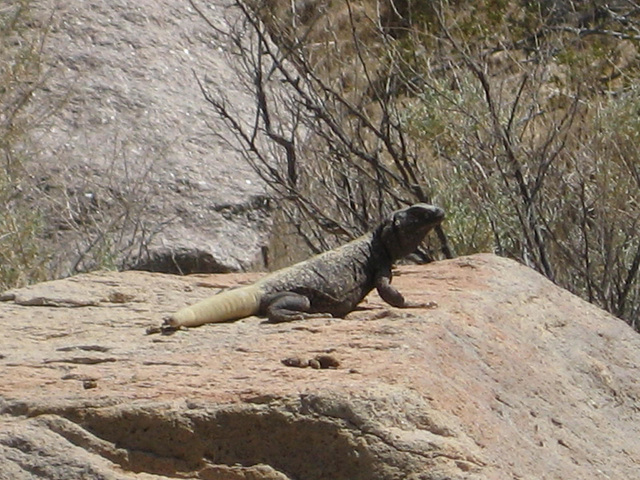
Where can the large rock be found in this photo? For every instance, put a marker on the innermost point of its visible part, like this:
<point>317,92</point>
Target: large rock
<point>509,377</point>
<point>127,161</point>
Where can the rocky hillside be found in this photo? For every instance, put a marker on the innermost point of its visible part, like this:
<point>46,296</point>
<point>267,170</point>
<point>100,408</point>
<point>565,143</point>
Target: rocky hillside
<point>123,158</point>
<point>509,377</point>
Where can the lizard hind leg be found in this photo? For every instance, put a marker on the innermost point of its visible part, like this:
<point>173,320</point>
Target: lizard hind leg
<point>287,307</point>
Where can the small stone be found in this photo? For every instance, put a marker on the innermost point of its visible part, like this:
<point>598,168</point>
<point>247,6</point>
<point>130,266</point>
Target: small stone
<point>89,383</point>
<point>295,362</point>
<point>327,361</point>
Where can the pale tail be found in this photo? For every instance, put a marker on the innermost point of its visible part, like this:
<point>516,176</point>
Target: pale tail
<point>229,305</point>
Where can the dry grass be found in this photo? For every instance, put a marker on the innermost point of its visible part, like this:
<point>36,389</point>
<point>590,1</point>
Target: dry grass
<point>22,258</point>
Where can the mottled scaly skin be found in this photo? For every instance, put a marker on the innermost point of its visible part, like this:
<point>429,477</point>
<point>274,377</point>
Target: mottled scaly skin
<point>334,282</point>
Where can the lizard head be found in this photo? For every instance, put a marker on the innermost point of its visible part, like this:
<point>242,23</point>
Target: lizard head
<point>404,229</point>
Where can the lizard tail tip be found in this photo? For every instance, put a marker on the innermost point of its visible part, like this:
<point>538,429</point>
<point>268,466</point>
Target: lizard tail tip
<point>166,327</point>
<point>170,321</point>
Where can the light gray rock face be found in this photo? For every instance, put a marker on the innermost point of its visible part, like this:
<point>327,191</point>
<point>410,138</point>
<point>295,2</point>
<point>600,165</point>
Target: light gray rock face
<point>509,377</point>
<point>128,162</point>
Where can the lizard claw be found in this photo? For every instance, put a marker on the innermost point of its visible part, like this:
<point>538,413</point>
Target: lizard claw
<point>421,305</point>
<point>165,329</point>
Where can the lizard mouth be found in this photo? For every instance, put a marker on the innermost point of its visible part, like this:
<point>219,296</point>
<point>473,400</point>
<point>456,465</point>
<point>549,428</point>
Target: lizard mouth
<point>427,214</point>
<point>438,214</point>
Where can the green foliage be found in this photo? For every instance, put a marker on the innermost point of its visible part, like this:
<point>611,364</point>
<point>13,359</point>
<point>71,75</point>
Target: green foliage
<point>22,258</point>
<point>541,170</point>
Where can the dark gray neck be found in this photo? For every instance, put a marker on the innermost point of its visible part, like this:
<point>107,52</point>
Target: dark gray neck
<point>397,240</point>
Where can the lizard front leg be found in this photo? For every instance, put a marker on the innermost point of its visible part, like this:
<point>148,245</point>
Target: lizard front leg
<point>287,307</point>
<point>394,298</point>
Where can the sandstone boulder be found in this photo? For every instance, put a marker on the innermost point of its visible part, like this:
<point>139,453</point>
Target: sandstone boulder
<point>126,161</point>
<point>510,377</point>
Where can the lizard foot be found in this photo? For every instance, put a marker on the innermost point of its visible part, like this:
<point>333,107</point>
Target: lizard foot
<point>281,317</point>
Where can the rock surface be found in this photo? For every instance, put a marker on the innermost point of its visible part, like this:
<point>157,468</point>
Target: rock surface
<point>126,157</point>
<point>509,377</point>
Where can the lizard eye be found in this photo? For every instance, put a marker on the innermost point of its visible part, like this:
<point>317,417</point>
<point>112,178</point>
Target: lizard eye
<point>400,217</point>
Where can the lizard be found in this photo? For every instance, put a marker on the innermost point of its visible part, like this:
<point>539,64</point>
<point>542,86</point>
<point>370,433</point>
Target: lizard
<point>332,283</point>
